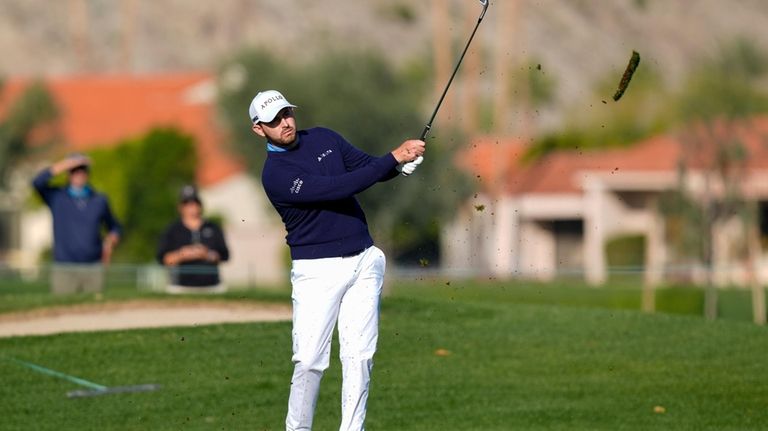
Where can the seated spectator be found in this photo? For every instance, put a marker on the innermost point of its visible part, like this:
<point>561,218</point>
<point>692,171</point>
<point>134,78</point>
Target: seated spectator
<point>192,247</point>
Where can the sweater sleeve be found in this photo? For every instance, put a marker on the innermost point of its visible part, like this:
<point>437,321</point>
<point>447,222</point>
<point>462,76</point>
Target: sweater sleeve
<point>109,219</point>
<point>355,158</point>
<point>40,183</point>
<point>220,244</point>
<point>288,185</point>
<point>164,245</point>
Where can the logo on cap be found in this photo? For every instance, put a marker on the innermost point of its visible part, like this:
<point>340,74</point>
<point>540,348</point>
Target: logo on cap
<point>272,99</point>
<point>266,105</point>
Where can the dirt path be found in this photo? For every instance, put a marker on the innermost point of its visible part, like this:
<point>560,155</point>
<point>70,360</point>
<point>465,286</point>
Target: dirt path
<point>136,314</point>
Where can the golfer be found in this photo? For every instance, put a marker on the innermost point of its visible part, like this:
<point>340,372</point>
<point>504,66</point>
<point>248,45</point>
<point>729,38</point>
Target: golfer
<point>311,177</point>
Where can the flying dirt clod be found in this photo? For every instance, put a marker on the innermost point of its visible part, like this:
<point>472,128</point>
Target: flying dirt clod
<point>634,61</point>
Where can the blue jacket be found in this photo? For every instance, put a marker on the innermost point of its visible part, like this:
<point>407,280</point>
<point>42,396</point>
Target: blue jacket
<point>312,186</point>
<point>77,222</point>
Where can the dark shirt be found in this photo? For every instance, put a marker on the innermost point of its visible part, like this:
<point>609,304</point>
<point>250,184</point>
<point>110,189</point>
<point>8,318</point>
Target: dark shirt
<point>77,221</point>
<point>196,273</point>
<point>312,186</point>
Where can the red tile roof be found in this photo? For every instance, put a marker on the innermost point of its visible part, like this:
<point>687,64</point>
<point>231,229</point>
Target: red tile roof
<point>102,110</point>
<point>499,165</point>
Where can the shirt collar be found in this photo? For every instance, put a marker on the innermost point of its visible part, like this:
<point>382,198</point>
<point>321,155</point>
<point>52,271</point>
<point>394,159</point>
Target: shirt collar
<point>79,192</point>
<point>276,149</point>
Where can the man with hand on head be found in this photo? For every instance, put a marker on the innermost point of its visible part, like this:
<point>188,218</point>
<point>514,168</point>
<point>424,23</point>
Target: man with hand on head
<point>79,214</point>
<point>311,177</point>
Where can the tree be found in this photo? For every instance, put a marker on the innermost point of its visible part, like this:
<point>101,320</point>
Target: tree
<point>32,110</point>
<point>643,111</point>
<point>142,178</point>
<point>375,108</point>
<point>715,104</point>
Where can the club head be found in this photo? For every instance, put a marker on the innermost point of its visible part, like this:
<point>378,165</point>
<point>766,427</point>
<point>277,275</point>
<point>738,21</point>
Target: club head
<point>485,4</point>
<point>113,390</point>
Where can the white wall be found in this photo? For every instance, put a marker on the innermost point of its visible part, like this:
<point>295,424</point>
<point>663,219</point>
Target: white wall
<point>538,250</point>
<point>254,233</point>
<point>36,235</point>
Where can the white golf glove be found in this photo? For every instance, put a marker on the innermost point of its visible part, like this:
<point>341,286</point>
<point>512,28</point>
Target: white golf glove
<point>408,168</point>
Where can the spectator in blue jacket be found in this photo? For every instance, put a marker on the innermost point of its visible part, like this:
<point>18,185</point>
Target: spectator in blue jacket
<point>80,249</point>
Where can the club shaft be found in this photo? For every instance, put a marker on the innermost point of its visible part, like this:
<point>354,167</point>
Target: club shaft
<point>54,373</point>
<point>425,132</point>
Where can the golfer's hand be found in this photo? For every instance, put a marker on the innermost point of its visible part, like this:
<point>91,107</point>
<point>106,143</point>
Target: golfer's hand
<point>409,150</point>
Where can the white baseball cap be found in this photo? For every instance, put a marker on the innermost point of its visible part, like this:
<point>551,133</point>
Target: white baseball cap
<point>265,106</point>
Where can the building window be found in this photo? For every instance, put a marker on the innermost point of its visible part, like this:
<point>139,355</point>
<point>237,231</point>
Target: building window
<point>569,246</point>
<point>763,220</point>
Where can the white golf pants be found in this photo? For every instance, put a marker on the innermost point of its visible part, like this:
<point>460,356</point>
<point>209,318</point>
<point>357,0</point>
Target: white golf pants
<point>343,289</point>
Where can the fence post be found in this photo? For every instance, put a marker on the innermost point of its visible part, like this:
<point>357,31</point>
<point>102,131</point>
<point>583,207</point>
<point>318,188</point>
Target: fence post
<point>649,298</point>
<point>758,304</point>
<point>758,291</point>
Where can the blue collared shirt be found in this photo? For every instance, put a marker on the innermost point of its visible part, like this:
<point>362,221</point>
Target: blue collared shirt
<point>274,148</point>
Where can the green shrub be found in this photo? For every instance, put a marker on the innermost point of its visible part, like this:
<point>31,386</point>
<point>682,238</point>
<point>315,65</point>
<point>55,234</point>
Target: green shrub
<point>626,251</point>
<point>142,178</point>
<point>680,300</point>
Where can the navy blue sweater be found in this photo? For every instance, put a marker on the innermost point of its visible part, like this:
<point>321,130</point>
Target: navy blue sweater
<point>312,186</point>
<point>77,222</point>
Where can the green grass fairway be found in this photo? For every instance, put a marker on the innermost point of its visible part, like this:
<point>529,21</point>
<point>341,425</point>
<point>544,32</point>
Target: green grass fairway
<point>508,366</point>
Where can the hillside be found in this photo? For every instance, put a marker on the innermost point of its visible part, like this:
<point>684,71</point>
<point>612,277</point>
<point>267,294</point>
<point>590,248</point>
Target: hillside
<point>577,42</point>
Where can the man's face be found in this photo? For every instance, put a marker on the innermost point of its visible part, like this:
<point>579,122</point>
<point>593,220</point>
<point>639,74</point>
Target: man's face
<point>190,209</point>
<point>78,178</point>
<point>281,130</point>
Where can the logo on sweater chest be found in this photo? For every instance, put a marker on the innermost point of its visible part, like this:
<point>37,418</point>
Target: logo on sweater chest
<point>296,187</point>
<point>323,155</point>
<point>207,232</point>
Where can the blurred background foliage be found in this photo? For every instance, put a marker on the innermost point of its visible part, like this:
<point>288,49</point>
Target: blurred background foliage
<point>731,84</point>
<point>164,160</point>
<point>727,92</point>
<point>375,107</point>
<point>22,127</point>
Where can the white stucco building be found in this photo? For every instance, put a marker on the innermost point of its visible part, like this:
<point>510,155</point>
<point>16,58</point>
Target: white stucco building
<point>555,216</point>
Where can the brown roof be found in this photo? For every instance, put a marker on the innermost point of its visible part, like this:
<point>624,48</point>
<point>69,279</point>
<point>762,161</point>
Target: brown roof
<point>98,111</point>
<point>500,167</point>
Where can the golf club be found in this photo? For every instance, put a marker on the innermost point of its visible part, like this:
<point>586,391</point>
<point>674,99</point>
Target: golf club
<point>428,127</point>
